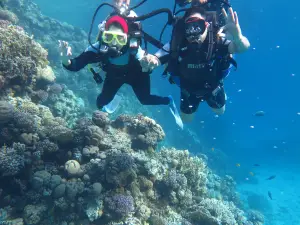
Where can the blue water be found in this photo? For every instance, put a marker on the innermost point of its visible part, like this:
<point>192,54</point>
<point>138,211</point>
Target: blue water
<point>268,79</point>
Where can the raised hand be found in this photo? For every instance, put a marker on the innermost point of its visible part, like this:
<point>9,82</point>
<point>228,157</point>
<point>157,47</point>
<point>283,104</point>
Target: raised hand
<point>65,52</point>
<point>232,28</point>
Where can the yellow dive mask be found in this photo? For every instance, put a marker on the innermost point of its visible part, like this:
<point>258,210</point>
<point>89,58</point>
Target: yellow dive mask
<point>109,36</point>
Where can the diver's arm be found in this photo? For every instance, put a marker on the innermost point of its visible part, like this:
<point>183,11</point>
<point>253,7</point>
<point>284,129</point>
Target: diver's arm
<point>140,53</point>
<point>165,58</point>
<point>147,61</point>
<point>81,61</point>
<point>239,44</point>
<point>90,55</point>
<point>163,54</point>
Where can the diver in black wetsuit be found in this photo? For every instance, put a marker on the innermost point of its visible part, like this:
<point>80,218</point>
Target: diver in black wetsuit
<point>199,58</point>
<point>122,64</point>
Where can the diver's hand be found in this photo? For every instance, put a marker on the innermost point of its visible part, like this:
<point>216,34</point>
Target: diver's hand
<point>149,62</point>
<point>65,52</point>
<point>232,28</point>
<point>233,32</point>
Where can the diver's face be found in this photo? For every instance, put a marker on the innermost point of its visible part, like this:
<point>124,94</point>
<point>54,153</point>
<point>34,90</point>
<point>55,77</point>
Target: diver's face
<point>196,28</point>
<point>122,37</point>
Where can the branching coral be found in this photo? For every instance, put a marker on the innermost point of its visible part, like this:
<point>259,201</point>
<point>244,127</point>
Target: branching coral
<point>119,205</point>
<point>12,160</point>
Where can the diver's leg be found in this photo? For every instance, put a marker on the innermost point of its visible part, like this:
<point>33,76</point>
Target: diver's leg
<point>141,86</point>
<point>217,102</point>
<point>188,106</point>
<point>109,90</point>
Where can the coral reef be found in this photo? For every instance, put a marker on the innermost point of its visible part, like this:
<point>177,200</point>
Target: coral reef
<point>119,205</point>
<point>23,61</point>
<point>9,16</point>
<point>107,178</point>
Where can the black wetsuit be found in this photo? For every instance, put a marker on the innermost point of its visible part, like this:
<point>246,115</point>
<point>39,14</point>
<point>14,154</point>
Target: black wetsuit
<point>116,76</point>
<point>200,79</point>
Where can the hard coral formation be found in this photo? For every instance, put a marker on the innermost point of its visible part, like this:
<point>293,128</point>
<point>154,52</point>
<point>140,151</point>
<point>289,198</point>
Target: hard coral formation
<point>100,118</point>
<point>20,57</point>
<point>119,205</point>
<point>256,217</point>
<point>12,160</point>
<point>65,104</point>
<point>215,212</point>
<point>8,15</point>
<point>6,111</point>
<point>112,183</point>
<point>145,132</point>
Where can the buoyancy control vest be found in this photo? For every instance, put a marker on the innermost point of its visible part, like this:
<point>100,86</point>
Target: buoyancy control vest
<point>202,66</point>
<point>198,72</point>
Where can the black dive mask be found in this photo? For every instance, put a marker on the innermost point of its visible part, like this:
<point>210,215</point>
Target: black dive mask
<point>194,27</point>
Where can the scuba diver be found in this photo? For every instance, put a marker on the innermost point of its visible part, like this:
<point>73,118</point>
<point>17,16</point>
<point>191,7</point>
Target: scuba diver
<point>199,58</point>
<point>123,61</point>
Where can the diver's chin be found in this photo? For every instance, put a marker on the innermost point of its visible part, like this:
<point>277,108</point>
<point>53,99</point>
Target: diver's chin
<point>115,47</point>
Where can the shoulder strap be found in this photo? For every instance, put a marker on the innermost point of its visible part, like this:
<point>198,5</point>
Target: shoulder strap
<point>176,38</point>
<point>210,42</point>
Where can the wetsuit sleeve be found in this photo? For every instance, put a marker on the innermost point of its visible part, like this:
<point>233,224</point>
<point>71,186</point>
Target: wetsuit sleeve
<point>88,56</point>
<point>140,53</point>
<point>163,54</point>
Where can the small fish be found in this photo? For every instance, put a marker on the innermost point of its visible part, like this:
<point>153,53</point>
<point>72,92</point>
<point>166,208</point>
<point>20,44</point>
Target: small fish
<point>271,177</point>
<point>251,174</point>
<point>270,195</point>
<point>238,165</point>
<point>213,149</point>
<point>256,165</point>
<point>259,113</point>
